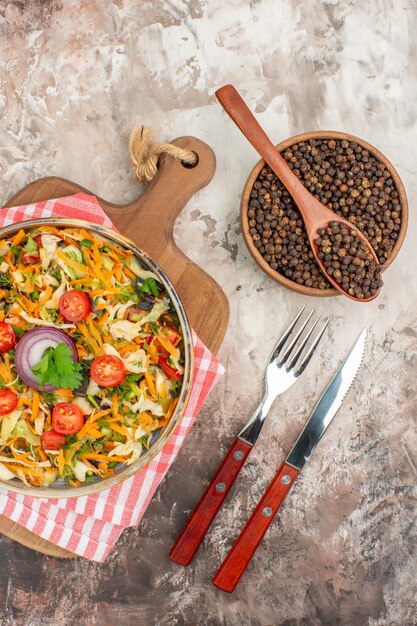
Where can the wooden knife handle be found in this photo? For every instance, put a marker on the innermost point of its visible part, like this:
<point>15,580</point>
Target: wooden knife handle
<point>197,525</point>
<point>251,536</point>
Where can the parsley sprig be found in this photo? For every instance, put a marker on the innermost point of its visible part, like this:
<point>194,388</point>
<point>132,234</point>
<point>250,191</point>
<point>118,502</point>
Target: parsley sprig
<point>58,368</point>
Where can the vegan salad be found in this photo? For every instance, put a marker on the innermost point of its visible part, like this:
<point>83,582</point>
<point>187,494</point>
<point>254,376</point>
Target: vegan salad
<point>91,356</point>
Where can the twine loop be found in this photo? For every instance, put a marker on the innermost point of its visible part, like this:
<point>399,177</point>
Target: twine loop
<point>145,153</point>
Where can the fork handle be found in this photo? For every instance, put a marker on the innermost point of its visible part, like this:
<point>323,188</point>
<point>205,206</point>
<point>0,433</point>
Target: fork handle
<point>251,536</point>
<point>206,510</point>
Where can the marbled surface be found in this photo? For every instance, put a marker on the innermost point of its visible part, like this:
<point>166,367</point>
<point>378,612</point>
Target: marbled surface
<point>74,78</point>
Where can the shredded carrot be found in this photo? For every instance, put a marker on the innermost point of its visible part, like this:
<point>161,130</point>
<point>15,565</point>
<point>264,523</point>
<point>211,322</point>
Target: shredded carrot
<point>118,271</point>
<point>3,373</point>
<point>172,406</point>
<point>153,352</point>
<point>147,392</point>
<point>104,317</point>
<point>94,432</point>
<point>41,453</point>
<point>129,273</point>
<point>79,281</point>
<point>120,429</point>
<point>67,393</point>
<point>83,329</point>
<point>168,345</point>
<point>95,456</point>
<point>18,237</point>
<point>21,401</point>
<point>94,332</point>
<point>26,304</point>
<point>82,352</point>
<point>128,348</point>
<point>46,295</point>
<point>60,460</point>
<point>144,419</point>
<point>115,403</point>
<point>150,379</point>
<point>96,416</point>
<point>35,406</point>
<point>96,256</point>
<point>8,368</point>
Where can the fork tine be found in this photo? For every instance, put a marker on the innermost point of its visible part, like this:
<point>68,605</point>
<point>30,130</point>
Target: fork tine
<point>287,352</point>
<point>286,334</point>
<point>295,355</point>
<point>311,350</point>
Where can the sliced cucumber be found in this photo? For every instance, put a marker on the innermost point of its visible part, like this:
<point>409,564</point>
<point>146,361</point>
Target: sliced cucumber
<point>73,253</point>
<point>107,263</point>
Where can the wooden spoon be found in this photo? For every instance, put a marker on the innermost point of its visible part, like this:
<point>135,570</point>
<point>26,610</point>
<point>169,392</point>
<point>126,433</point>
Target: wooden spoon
<point>314,213</point>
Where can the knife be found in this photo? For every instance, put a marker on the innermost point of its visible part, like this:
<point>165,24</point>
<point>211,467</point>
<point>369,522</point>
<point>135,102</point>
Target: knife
<point>282,371</point>
<point>326,408</point>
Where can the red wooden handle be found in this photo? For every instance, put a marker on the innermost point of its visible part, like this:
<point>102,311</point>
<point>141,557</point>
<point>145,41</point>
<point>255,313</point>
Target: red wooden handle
<point>194,530</point>
<point>251,536</point>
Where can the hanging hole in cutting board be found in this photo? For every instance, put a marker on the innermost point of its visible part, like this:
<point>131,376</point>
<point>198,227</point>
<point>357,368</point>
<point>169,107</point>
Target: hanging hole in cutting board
<point>145,154</point>
<point>191,166</point>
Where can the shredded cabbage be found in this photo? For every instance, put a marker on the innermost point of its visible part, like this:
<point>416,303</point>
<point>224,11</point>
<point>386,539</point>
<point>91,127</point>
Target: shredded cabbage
<point>48,250</point>
<point>53,302</point>
<point>39,322</point>
<point>147,405</point>
<point>5,474</point>
<point>80,470</point>
<point>22,429</point>
<point>125,448</point>
<point>8,423</point>
<point>135,362</point>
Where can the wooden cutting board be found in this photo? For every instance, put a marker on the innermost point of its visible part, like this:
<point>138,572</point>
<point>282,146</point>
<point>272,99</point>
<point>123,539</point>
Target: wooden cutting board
<point>149,222</point>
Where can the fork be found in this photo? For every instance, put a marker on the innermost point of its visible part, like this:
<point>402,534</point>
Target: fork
<point>284,367</point>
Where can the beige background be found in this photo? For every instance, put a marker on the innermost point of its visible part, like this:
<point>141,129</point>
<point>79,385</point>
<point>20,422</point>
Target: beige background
<point>74,78</point>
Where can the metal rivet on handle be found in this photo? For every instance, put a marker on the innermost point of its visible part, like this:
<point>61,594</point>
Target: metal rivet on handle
<point>267,511</point>
<point>220,487</point>
<point>238,455</point>
<point>286,480</point>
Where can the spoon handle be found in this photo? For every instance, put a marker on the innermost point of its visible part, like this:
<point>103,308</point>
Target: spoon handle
<point>238,111</point>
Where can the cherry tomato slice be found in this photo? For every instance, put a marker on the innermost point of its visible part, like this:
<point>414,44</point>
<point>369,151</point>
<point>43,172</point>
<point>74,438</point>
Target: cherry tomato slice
<point>170,333</point>
<point>74,305</point>
<point>168,370</point>
<point>29,258</point>
<point>52,440</point>
<point>108,370</point>
<point>67,418</point>
<point>8,401</point>
<point>38,240</point>
<point>7,337</point>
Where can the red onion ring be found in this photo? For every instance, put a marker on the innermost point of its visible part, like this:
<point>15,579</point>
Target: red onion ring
<point>31,348</point>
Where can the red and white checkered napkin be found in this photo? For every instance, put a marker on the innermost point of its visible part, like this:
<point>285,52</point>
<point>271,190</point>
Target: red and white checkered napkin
<point>90,525</point>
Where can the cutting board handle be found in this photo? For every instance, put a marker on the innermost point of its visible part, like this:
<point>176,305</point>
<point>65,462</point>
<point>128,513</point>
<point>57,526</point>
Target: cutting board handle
<point>164,198</point>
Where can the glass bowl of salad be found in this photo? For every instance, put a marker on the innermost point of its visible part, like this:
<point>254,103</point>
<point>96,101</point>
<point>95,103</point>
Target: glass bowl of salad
<point>96,358</point>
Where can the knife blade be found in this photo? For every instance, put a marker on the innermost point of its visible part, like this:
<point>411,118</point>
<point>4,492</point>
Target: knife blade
<point>323,413</point>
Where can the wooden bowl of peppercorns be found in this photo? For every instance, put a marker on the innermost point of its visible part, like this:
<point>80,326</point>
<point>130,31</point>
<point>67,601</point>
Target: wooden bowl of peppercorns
<point>346,174</point>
